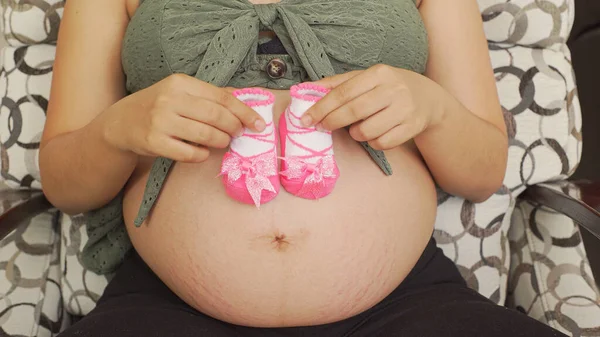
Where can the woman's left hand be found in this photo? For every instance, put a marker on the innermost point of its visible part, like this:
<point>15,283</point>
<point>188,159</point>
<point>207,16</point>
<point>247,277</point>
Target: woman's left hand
<point>386,106</point>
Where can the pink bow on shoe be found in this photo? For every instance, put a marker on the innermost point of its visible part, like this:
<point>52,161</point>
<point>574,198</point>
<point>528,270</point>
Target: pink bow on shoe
<point>256,170</point>
<point>315,174</point>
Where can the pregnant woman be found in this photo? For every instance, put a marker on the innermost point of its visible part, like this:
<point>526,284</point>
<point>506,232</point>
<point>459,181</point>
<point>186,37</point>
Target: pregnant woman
<point>147,134</point>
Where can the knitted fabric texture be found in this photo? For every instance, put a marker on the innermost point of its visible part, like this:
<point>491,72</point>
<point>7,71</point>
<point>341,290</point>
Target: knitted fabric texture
<point>216,41</point>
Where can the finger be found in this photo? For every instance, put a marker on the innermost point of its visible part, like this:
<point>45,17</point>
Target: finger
<point>339,96</point>
<point>207,112</point>
<point>358,109</point>
<point>230,89</point>
<point>397,136</point>
<point>335,80</point>
<point>375,126</point>
<point>179,151</point>
<point>249,118</point>
<point>198,133</point>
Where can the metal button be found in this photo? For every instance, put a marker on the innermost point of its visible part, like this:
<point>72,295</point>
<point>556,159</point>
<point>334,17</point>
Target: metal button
<point>276,68</point>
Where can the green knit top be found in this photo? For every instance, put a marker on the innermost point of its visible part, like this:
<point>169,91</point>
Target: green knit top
<point>216,41</point>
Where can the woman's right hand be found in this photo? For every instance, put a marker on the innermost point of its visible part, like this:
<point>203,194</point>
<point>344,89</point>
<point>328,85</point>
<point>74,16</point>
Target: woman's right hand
<point>179,118</point>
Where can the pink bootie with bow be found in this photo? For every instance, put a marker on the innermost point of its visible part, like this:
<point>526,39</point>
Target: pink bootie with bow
<point>308,167</point>
<point>249,168</point>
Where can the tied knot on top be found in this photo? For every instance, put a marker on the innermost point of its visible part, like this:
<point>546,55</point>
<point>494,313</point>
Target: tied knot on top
<point>214,38</point>
<point>267,14</point>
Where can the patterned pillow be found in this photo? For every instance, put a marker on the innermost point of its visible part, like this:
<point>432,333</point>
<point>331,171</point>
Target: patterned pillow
<point>25,86</point>
<point>541,110</point>
<point>528,23</point>
<point>29,279</point>
<point>548,258</point>
<point>81,288</point>
<point>31,22</point>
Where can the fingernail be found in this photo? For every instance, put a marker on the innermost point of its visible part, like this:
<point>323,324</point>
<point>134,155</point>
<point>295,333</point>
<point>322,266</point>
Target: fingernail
<point>320,128</point>
<point>240,133</point>
<point>306,120</point>
<point>259,125</point>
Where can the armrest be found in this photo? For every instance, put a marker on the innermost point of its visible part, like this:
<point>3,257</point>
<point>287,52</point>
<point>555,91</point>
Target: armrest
<point>16,206</point>
<point>579,200</point>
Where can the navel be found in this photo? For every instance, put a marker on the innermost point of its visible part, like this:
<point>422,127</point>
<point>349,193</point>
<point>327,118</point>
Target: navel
<point>279,242</point>
<point>275,240</point>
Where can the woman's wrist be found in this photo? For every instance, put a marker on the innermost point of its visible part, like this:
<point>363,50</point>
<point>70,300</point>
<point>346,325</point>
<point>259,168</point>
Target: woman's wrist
<point>105,131</point>
<point>436,102</point>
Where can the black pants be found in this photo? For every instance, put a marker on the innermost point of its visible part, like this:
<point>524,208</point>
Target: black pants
<point>433,301</point>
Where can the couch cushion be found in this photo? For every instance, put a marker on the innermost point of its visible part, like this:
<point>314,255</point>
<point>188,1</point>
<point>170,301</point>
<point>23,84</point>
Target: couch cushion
<point>551,279</point>
<point>541,109</point>
<point>25,87</point>
<point>474,237</point>
<point>30,280</point>
<point>531,23</point>
<point>542,112</point>
<point>81,288</point>
<point>31,22</point>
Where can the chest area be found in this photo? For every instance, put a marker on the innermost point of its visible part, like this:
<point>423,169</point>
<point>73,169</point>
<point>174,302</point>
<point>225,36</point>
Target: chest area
<point>215,40</point>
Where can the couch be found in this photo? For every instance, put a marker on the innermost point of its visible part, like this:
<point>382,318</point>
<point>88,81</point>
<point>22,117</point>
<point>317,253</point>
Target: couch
<point>521,248</point>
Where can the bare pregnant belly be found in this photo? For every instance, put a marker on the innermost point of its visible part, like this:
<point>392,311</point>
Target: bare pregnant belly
<point>294,261</point>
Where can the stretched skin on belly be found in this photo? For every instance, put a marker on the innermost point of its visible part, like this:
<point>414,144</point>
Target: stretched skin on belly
<point>295,261</point>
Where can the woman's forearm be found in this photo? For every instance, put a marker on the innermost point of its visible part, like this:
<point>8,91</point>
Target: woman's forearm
<point>466,154</point>
<point>80,171</point>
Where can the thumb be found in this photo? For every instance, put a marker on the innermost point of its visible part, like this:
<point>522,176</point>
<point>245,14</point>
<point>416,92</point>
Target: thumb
<point>333,81</point>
